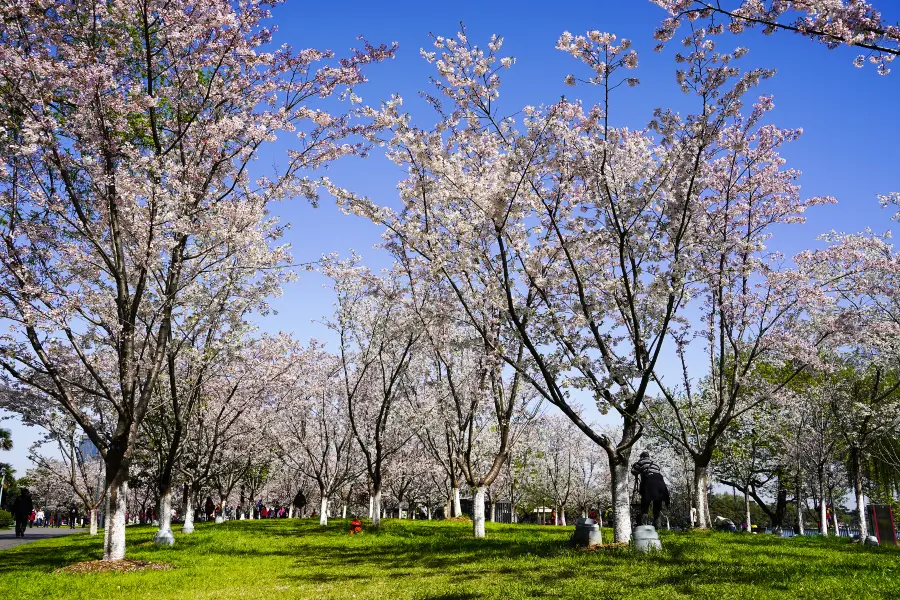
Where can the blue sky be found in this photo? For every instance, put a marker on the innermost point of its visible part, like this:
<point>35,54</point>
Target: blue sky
<point>849,148</point>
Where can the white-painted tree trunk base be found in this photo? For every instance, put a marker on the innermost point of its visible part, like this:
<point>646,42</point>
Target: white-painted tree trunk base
<point>93,521</point>
<point>621,504</point>
<point>164,536</point>
<point>747,509</point>
<point>114,548</point>
<point>700,479</point>
<point>323,512</point>
<point>376,509</point>
<point>457,505</point>
<point>861,509</point>
<point>478,512</point>
<point>188,526</point>
<point>834,520</point>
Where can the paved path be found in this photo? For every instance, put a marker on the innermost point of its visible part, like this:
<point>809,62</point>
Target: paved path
<point>8,536</point>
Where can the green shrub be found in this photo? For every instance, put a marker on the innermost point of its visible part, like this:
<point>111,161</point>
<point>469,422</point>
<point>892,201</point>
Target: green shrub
<point>6,519</point>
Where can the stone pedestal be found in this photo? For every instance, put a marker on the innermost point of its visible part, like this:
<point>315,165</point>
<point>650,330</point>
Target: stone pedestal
<point>645,539</point>
<point>164,538</point>
<point>587,533</point>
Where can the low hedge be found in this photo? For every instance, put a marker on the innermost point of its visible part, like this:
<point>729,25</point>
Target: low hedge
<point>6,519</point>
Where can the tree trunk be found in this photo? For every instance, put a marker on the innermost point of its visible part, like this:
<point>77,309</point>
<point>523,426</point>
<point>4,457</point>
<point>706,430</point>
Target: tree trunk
<point>478,511</point>
<point>188,526</point>
<point>823,517</point>
<point>837,529</point>
<point>371,505</point>
<point>165,511</point>
<point>621,501</point>
<point>93,521</point>
<point>291,511</point>
<point>747,508</point>
<point>493,509</point>
<point>428,511</point>
<point>376,508</point>
<point>562,518</point>
<point>701,477</point>
<point>323,511</point>
<point>457,507</point>
<point>799,499</point>
<point>858,492</point>
<point>343,511</point>
<point>114,542</point>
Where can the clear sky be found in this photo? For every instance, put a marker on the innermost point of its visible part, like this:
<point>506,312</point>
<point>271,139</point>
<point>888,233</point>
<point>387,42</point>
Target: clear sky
<point>850,119</point>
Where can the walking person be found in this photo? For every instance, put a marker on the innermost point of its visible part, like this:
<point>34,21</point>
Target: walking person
<point>652,487</point>
<point>73,514</point>
<point>22,509</point>
<point>210,508</point>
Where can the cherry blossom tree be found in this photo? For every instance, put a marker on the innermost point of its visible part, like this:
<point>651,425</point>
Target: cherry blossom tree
<point>479,412</point>
<point>860,272</point>
<point>311,428</point>
<point>378,344</point>
<point>230,428</point>
<point>834,23</point>
<point>752,309</point>
<point>79,473</point>
<point>129,127</point>
<point>584,237</point>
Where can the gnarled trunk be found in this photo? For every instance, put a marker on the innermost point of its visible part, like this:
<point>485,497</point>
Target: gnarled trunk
<point>478,512</point>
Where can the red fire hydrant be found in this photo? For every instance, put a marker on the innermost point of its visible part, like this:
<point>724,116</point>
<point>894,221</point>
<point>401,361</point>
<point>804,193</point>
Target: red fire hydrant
<point>355,527</point>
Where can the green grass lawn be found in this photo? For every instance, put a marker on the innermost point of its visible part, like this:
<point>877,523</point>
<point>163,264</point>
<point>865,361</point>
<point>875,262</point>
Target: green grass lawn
<point>277,559</point>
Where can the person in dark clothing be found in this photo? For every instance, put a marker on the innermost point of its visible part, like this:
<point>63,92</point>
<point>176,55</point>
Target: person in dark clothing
<point>210,508</point>
<point>73,514</point>
<point>652,487</point>
<point>22,507</point>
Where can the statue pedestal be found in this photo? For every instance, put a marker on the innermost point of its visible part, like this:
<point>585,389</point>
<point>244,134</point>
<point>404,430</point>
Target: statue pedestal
<point>645,539</point>
<point>164,538</point>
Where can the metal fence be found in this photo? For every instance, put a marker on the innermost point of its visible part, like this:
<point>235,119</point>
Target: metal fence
<point>843,531</point>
